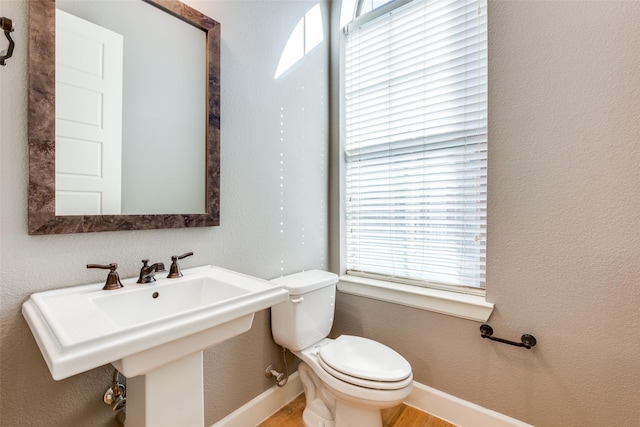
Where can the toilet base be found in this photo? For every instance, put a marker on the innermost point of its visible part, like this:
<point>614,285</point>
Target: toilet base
<point>311,419</point>
<point>327,407</point>
<point>347,415</point>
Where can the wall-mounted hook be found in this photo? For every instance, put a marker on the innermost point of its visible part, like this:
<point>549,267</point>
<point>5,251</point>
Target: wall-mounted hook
<point>7,27</point>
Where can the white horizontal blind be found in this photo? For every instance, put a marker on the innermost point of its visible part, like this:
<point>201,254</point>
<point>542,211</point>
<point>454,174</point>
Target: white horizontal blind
<point>416,144</point>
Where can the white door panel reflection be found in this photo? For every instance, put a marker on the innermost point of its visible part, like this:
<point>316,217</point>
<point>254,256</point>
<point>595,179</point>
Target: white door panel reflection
<point>89,79</point>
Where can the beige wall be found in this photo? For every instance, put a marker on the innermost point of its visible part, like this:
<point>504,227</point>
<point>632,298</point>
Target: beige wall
<point>264,122</point>
<point>563,227</point>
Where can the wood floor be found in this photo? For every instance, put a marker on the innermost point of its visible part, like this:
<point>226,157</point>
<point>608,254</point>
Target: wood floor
<point>398,416</point>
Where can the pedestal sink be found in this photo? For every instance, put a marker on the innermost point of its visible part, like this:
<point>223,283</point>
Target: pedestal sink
<point>154,334</point>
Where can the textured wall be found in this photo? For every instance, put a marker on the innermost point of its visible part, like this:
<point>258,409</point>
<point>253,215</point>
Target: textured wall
<point>563,228</point>
<point>273,215</point>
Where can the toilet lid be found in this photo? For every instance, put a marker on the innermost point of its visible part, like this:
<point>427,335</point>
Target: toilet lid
<point>376,385</point>
<point>366,359</point>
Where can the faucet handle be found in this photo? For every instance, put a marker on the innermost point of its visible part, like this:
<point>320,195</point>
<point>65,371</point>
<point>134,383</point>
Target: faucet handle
<point>113,279</point>
<point>174,270</point>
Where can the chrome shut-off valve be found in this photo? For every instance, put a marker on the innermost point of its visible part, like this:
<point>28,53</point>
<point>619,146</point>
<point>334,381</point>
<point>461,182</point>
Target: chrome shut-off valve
<point>116,397</point>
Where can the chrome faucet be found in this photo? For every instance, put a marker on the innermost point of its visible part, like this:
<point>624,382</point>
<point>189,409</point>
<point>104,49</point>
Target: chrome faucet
<point>147,272</point>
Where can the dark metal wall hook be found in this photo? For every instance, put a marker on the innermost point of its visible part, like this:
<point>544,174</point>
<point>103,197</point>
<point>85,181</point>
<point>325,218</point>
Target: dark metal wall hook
<point>527,340</point>
<point>7,27</point>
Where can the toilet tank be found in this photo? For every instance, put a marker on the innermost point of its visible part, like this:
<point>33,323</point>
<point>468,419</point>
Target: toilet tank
<point>307,317</point>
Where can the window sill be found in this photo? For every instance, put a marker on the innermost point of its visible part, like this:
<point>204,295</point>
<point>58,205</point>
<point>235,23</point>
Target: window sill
<point>471,307</point>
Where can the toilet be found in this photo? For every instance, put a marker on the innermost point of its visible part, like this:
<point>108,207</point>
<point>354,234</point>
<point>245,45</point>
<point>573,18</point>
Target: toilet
<point>347,380</point>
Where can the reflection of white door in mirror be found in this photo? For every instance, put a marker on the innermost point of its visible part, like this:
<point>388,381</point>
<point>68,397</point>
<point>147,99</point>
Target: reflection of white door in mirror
<point>89,78</point>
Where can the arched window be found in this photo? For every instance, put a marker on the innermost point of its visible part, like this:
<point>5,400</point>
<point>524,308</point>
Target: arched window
<point>365,6</point>
<point>415,119</point>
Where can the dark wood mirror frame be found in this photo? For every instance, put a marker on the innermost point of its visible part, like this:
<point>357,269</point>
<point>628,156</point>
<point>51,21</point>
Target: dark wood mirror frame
<point>41,116</point>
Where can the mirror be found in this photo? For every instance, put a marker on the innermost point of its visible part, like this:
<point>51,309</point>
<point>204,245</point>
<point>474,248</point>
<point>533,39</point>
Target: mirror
<point>125,95</point>
<point>43,148</point>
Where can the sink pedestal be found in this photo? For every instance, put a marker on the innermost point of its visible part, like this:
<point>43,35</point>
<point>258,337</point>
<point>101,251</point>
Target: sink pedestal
<point>169,396</point>
<point>164,387</point>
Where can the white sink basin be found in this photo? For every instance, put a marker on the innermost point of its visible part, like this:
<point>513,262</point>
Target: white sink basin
<point>152,303</point>
<point>144,326</point>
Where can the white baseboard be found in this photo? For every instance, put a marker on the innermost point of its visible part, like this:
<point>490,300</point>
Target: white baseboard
<point>427,399</point>
<point>457,411</point>
<point>264,405</point>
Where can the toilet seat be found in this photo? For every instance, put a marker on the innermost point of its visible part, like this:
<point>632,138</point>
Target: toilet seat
<point>365,363</point>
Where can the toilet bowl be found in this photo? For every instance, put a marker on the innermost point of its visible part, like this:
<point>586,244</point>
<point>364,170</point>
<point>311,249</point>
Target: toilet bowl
<point>347,380</point>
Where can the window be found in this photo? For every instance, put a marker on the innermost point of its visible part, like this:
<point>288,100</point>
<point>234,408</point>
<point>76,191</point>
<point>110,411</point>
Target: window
<point>416,143</point>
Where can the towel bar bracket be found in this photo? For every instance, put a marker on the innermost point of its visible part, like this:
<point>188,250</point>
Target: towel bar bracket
<point>527,340</point>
